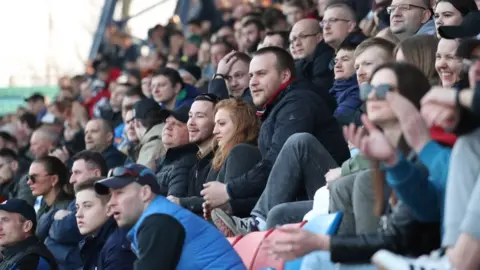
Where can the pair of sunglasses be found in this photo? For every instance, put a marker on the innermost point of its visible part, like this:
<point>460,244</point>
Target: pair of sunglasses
<point>34,177</point>
<point>381,91</point>
<point>208,97</point>
<point>122,172</point>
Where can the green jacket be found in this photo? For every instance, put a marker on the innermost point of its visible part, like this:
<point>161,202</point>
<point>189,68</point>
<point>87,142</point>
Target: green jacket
<point>354,165</point>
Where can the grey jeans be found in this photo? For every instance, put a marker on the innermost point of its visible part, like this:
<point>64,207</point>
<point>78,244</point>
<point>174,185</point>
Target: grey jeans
<point>462,199</point>
<point>299,167</point>
<point>354,196</point>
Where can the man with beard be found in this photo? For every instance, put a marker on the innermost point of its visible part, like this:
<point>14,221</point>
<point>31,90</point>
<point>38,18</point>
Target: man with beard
<point>253,31</point>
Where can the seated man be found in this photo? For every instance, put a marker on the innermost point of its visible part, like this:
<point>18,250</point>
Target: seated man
<point>345,87</point>
<point>99,137</point>
<point>173,169</point>
<point>149,122</point>
<point>22,249</point>
<point>163,234</point>
<point>105,246</point>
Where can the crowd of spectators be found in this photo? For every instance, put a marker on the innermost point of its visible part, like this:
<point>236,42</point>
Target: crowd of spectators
<point>154,156</point>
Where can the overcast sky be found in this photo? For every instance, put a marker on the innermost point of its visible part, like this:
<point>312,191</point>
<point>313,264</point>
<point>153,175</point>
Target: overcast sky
<point>29,47</point>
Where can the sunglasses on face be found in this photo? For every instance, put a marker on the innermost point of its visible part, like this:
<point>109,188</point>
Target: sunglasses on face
<point>380,91</point>
<point>34,177</point>
<point>122,172</point>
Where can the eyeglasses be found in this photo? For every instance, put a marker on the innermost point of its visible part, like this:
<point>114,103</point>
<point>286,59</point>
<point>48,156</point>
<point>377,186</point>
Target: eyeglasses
<point>331,21</point>
<point>122,172</point>
<point>34,177</point>
<point>302,37</point>
<point>402,8</point>
<point>380,91</point>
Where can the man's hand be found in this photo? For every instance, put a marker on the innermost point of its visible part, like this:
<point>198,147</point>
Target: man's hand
<point>333,174</point>
<point>61,153</point>
<point>294,243</point>
<point>215,194</point>
<point>60,214</point>
<point>226,63</point>
<point>414,128</point>
<point>173,199</point>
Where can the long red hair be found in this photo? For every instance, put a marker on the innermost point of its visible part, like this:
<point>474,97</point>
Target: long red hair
<point>246,123</point>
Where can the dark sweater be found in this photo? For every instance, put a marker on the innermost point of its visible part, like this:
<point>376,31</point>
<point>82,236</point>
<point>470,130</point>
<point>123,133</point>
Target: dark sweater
<point>242,158</point>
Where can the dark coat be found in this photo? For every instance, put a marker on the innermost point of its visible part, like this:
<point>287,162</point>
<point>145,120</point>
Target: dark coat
<point>109,249</point>
<point>400,233</point>
<point>63,238</point>
<point>196,178</point>
<point>316,69</point>
<point>174,168</point>
<point>29,254</point>
<point>242,158</point>
<point>113,157</point>
<point>347,95</point>
<point>296,109</point>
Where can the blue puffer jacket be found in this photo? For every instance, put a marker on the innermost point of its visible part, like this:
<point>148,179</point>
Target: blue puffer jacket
<point>204,247</point>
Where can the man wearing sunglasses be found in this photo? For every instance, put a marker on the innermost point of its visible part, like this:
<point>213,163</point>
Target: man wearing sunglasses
<point>163,235</point>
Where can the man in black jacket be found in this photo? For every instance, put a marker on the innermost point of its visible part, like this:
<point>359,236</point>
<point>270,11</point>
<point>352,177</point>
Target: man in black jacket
<point>313,57</point>
<point>200,131</point>
<point>289,107</point>
<point>173,169</point>
<point>22,250</point>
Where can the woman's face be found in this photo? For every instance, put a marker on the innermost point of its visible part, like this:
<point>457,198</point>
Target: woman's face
<point>91,211</point>
<point>448,66</point>
<point>379,111</point>
<point>224,127</point>
<point>39,181</point>
<point>445,15</point>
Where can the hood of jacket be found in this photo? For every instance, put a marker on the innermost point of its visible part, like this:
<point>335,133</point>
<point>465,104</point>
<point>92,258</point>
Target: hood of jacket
<point>153,133</point>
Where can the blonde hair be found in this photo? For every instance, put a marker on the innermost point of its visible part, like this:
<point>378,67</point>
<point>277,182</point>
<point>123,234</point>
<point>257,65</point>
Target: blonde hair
<point>246,123</point>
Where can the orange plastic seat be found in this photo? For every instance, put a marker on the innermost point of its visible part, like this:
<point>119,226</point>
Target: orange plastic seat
<point>247,246</point>
<point>264,260</point>
<point>234,240</point>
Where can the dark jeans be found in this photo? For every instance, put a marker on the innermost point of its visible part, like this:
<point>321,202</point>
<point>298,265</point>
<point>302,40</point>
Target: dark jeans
<point>286,213</point>
<point>300,167</point>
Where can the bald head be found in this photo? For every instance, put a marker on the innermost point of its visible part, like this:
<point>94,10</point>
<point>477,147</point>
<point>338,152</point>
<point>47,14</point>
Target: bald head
<point>304,37</point>
<point>42,141</point>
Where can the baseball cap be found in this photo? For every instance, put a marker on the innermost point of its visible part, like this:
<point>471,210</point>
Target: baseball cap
<point>193,70</point>
<point>21,207</point>
<point>470,27</point>
<point>35,97</point>
<point>181,113</point>
<point>123,176</point>
<point>194,39</point>
<point>145,107</point>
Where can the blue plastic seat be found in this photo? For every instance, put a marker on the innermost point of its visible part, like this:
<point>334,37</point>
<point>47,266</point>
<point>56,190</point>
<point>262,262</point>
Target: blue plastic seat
<point>322,224</point>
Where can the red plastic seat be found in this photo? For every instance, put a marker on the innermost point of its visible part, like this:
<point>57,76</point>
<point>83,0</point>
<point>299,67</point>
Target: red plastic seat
<point>247,246</point>
<point>234,240</point>
<point>264,260</point>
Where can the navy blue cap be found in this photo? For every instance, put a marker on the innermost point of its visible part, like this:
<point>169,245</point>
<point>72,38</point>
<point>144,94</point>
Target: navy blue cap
<point>35,97</point>
<point>145,107</point>
<point>145,177</point>
<point>181,114</point>
<point>21,207</point>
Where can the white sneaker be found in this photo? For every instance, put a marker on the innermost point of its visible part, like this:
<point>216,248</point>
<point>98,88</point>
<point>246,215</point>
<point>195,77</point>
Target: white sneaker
<point>387,260</point>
